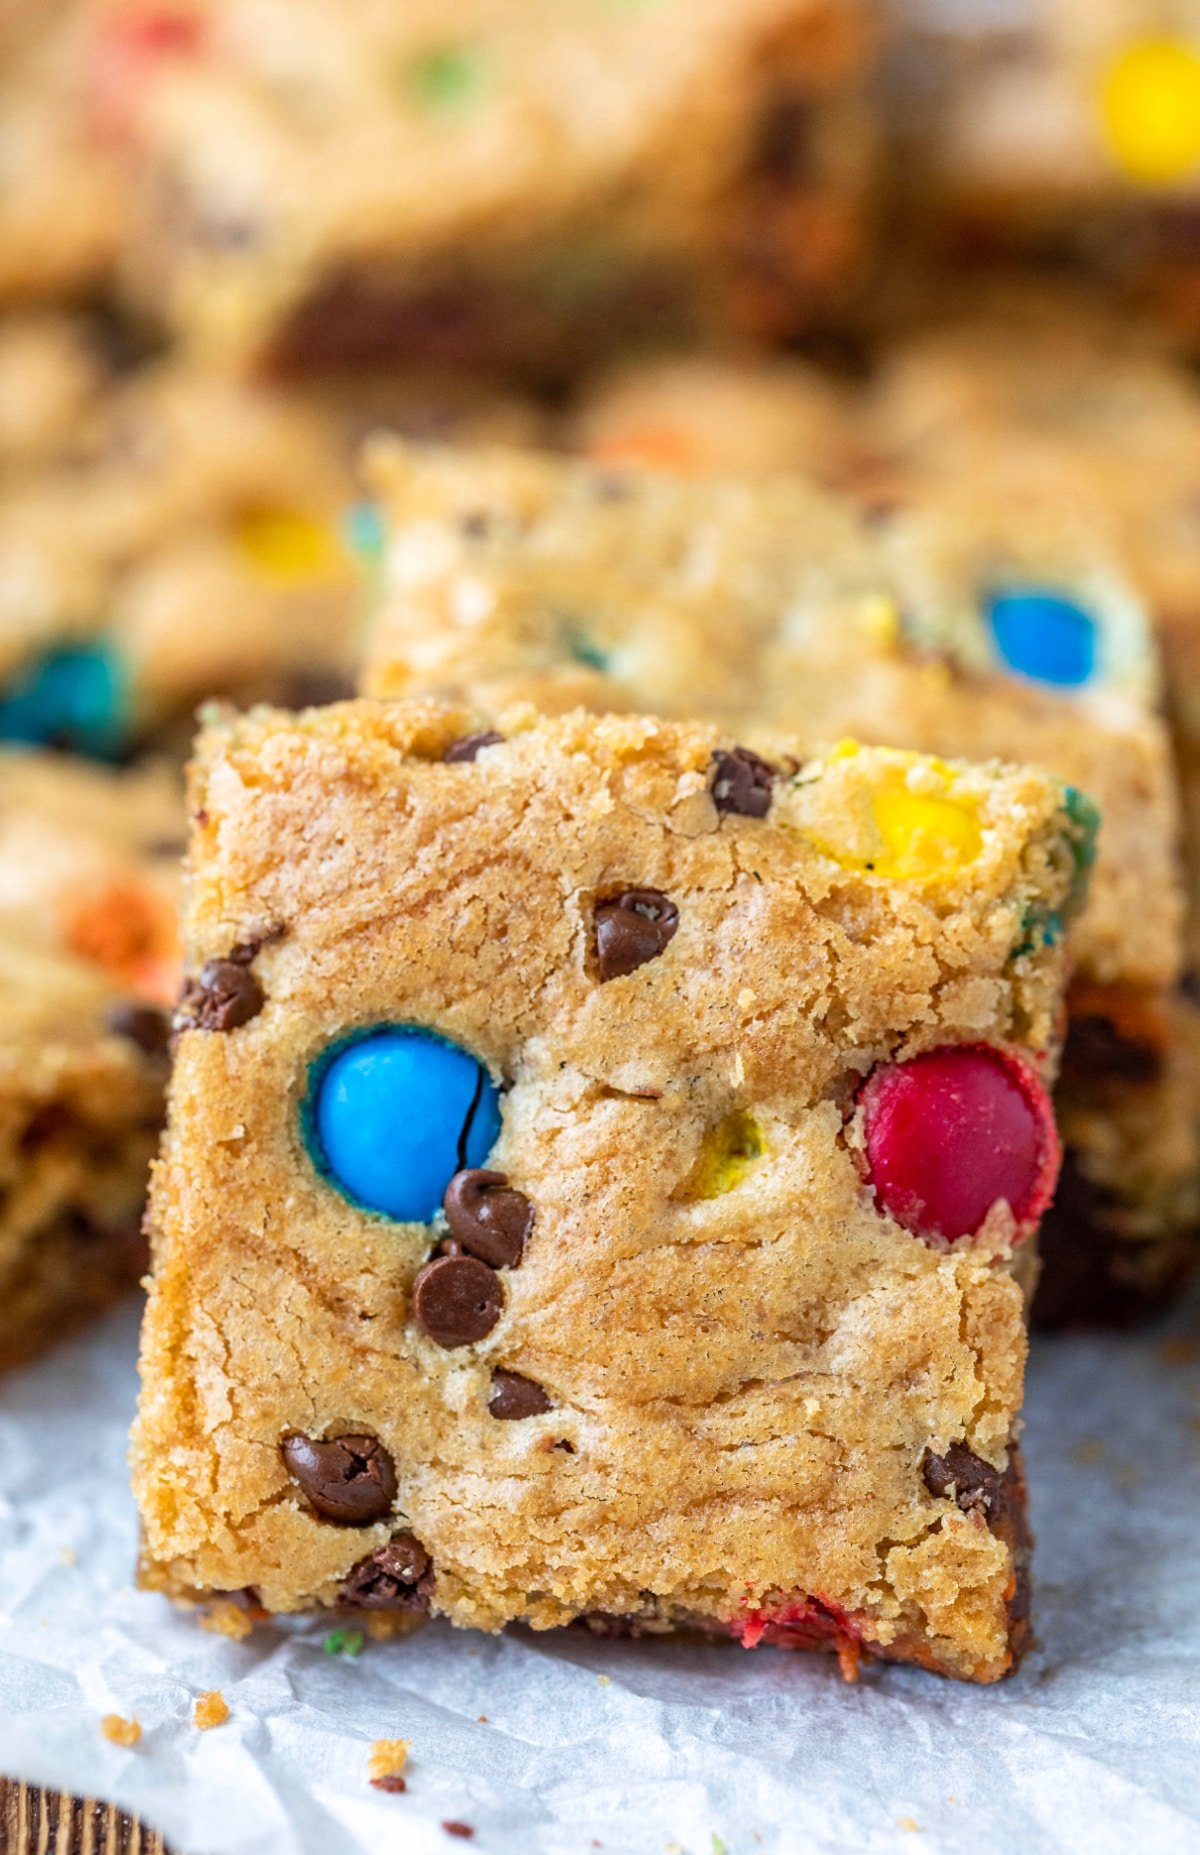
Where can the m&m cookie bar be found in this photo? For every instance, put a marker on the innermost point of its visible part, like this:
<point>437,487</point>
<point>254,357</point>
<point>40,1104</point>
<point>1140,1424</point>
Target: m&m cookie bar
<point>600,1170</point>
<point>180,535</point>
<point>1060,127</point>
<point>89,964</point>
<point>770,607</point>
<point>517,186</point>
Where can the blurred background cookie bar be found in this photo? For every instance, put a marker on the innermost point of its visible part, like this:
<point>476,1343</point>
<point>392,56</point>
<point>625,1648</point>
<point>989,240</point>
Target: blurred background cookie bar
<point>960,626</point>
<point>518,186</point>
<point>181,535</point>
<point>1057,127</point>
<point>89,968</point>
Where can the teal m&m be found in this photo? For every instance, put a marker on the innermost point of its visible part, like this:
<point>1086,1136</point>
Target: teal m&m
<point>394,1113</point>
<point>76,696</point>
<point>1043,635</point>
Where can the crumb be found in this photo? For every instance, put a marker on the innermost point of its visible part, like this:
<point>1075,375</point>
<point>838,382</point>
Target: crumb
<point>603,1681</point>
<point>386,1764</point>
<point>462,1830</point>
<point>68,1555</point>
<point>481,1719</point>
<point>849,1655</point>
<point>225,1618</point>
<point>120,1732</point>
<point>1179,1351</point>
<point>908,1823</point>
<point>211,1709</point>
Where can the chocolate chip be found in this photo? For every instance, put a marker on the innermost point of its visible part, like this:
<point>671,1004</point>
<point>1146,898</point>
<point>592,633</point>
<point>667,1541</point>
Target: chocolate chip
<point>311,687</point>
<point>742,782</point>
<point>976,1483</point>
<point>513,1397</point>
<point>457,1300</point>
<point>393,1782</point>
<point>632,928</point>
<point>487,1218</point>
<point>470,744</point>
<point>462,1830</point>
<point>349,1479</point>
<point>397,1576</point>
<point>143,1025</point>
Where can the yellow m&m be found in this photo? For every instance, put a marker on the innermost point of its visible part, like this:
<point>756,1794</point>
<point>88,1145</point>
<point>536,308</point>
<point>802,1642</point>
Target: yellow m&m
<point>284,545</point>
<point>729,1152</point>
<point>1150,106</point>
<point>922,836</point>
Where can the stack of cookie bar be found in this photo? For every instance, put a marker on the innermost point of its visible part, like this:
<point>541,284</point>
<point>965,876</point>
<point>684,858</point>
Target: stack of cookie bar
<point>616,1055</point>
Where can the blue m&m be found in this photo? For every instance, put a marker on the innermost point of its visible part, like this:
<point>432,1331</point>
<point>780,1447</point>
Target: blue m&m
<point>395,1113</point>
<point>1043,635</point>
<point>76,697</point>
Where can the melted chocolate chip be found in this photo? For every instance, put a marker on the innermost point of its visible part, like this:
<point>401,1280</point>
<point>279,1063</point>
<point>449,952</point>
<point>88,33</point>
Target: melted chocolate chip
<point>976,1484</point>
<point>226,994</point>
<point>742,783</point>
<point>350,1480</point>
<point>397,1576</point>
<point>469,746</point>
<point>513,1397</point>
<point>143,1025</point>
<point>314,688</point>
<point>457,1300</point>
<point>632,928</point>
<point>487,1218</point>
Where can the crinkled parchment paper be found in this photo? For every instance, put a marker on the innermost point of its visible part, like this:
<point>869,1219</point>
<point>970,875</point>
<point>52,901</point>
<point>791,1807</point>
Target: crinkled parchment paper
<point>638,1748</point>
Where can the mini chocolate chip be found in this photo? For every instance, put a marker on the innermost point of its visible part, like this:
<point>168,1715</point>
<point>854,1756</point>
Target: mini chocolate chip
<point>143,1025</point>
<point>976,1483</point>
<point>632,928</point>
<point>513,1397</point>
<point>487,1218</point>
<point>392,1782</point>
<point>742,782</point>
<point>469,746</point>
<point>225,996</point>
<point>393,1577</point>
<point>457,1300</point>
<point>462,1830</point>
<point>349,1479</point>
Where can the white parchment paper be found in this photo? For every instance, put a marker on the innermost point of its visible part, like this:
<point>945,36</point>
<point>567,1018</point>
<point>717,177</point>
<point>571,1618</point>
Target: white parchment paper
<point>638,1748</point>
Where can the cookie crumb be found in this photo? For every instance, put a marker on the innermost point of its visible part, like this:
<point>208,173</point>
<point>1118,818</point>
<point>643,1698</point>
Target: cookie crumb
<point>385,1767</point>
<point>68,1555</point>
<point>120,1732</point>
<point>225,1618</point>
<point>603,1681</point>
<point>211,1709</point>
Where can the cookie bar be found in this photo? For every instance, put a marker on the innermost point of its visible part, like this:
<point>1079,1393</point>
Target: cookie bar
<point>507,1066</point>
<point>701,412</point>
<point>81,1095</point>
<point>518,187</point>
<point>767,606</point>
<point>89,869</point>
<point>191,536</point>
<point>89,965</point>
<point>770,608</point>
<point>1059,128</point>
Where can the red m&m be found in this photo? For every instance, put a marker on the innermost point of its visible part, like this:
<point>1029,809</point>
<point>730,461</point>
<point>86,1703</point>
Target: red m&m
<point>953,1132</point>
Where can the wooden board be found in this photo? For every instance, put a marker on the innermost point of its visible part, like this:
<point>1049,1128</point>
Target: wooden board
<point>34,1822</point>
